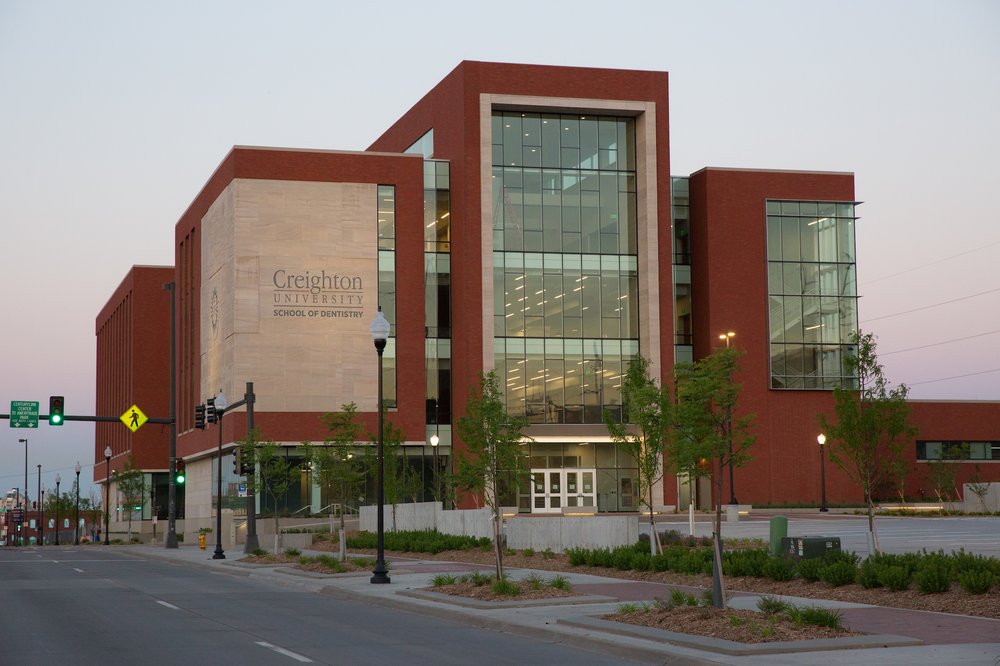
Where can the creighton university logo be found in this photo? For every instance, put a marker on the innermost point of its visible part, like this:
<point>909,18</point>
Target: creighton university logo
<point>317,295</point>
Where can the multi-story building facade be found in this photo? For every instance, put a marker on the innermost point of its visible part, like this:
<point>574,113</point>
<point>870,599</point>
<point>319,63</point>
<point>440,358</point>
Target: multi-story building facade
<point>521,219</point>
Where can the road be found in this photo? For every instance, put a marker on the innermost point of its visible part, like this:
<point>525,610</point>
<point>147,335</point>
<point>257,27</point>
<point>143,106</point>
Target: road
<point>89,605</point>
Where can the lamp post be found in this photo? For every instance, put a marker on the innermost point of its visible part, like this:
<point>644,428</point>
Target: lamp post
<point>220,408</point>
<point>25,505</point>
<point>76,530</point>
<point>107,491</point>
<point>41,509</point>
<point>58,481</point>
<point>822,472</point>
<point>380,333</point>
<point>729,429</point>
<point>435,440</point>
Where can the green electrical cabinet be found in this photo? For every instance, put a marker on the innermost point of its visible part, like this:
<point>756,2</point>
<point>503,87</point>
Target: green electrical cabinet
<point>809,547</point>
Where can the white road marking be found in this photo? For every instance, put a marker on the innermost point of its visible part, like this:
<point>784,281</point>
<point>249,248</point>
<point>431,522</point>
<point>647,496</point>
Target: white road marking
<point>75,569</point>
<point>164,603</point>
<point>287,653</point>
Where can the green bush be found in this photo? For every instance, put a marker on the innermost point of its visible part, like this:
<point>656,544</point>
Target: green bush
<point>534,581</point>
<point>641,562</point>
<point>258,552</point>
<point>779,568</point>
<point>838,573</point>
<point>441,580</point>
<point>528,552</point>
<point>506,588</point>
<point>292,552</point>
<point>869,573</point>
<point>419,541</point>
<point>821,617</point>
<point>560,582</point>
<point>744,562</point>
<point>976,581</point>
<point>478,578</point>
<point>934,577</point>
<point>895,578</point>
<point>771,605</point>
<point>809,570</point>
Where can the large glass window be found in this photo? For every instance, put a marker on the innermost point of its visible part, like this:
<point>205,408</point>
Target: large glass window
<point>812,293</point>
<point>386,206</point>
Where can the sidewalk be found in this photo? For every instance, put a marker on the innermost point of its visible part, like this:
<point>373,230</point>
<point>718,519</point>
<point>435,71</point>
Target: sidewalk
<point>896,636</point>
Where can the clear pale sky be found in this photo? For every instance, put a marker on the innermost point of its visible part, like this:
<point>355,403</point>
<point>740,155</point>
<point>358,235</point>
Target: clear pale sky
<point>114,114</point>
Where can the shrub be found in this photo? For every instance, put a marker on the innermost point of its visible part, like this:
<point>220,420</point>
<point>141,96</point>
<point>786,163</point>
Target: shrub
<point>771,605</point>
<point>528,552</point>
<point>560,582</point>
<point>934,577</point>
<point>821,617</point>
<point>577,557</point>
<point>478,578</point>
<point>441,580</point>
<point>869,573</point>
<point>976,581</point>
<point>744,562</point>
<point>677,598</point>
<point>838,556</point>
<point>838,573</point>
<point>504,587</point>
<point>779,568</point>
<point>707,598</point>
<point>548,554</point>
<point>809,570</point>
<point>259,552</point>
<point>895,578</point>
<point>628,608</point>
<point>419,541</point>
<point>641,561</point>
<point>292,552</point>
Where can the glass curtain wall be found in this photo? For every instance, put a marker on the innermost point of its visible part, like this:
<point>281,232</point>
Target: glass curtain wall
<point>683,322</point>
<point>565,262</point>
<point>812,293</point>
<point>387,286</point>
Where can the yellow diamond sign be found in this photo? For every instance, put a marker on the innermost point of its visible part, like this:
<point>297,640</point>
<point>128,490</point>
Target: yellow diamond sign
<point>133,418</point>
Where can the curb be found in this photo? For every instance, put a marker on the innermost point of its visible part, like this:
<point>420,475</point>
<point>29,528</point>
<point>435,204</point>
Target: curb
<point>479,604</point>
<point>733,648</point>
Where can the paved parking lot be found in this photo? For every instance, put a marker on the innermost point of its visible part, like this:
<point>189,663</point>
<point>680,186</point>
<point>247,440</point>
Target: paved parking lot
<point>897,535</point>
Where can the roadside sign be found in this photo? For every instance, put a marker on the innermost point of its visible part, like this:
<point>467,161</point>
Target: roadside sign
<point>242,489</point>
<point>17,515</point>
<point>133,418</point>
<point>23,414</point>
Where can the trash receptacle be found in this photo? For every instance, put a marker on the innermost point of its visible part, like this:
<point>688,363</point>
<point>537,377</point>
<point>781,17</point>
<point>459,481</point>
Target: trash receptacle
<point>779,530</point>
<point>201,541</point>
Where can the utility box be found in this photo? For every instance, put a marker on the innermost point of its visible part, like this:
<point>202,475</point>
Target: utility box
<point>809,547</point>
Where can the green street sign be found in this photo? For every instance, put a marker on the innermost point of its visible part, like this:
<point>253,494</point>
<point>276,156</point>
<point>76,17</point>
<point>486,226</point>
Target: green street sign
<point>23,414</point>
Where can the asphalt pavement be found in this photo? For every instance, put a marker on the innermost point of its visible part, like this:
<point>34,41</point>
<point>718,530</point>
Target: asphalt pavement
<point>895,636</point>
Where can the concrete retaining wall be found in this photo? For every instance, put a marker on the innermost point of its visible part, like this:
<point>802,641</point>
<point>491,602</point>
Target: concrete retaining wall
<point>972,503</point>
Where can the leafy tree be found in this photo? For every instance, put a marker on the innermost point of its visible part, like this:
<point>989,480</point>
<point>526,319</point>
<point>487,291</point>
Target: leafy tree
<point>646,435</point>
<point>872,426</point>
<point>131,485</point>
<point>706,396</point>
<point>494,461</point>
<point>943,471</point>
<point>336,465</point>
<point>272,472</point>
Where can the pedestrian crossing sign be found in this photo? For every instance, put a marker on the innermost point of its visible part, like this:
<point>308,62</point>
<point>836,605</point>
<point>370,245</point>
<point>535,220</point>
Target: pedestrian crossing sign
<point>133,418</point>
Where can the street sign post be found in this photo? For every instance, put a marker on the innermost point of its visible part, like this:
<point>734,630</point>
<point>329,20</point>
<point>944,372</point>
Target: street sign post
<point>23,414</point>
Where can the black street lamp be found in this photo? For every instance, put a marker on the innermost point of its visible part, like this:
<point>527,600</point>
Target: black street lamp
<point>220,409</point>
<point>822,472</point>
<point>107,491</point>
<point>58,481</point>
<point>380,333</point>
<point>41,509</point>
<point>76,531</point>
<point>435,440</point>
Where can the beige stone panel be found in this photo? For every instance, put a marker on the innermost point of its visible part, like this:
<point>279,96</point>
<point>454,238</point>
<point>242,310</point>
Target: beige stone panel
<point>307,250</point>
<point>646,198</point>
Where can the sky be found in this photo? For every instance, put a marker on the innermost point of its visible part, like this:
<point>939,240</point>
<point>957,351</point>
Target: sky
<point>114,114</point>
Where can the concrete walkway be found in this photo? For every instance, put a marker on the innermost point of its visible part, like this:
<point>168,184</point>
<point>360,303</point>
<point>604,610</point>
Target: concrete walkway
<point>896,636</point>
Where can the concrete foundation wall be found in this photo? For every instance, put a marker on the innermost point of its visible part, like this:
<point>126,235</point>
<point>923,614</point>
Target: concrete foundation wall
<point>991,500</point>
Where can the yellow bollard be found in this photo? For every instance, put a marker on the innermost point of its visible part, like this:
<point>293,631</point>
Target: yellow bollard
<point>201,541</point>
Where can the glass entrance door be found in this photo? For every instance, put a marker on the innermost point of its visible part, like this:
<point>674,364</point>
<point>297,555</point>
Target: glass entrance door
<point>555,489</point>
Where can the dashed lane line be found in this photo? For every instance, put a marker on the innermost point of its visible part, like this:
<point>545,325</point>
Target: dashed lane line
<point>287,653</point>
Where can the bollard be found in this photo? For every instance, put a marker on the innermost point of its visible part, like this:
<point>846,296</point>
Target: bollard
<point>201,541</point>
<point>779,530</point>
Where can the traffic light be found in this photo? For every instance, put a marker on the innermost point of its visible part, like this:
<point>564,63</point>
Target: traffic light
<point>199,417</point>
<point>179,477</point>
<point>237,467</point>
<point>56,415</point>
<point>210,414</point>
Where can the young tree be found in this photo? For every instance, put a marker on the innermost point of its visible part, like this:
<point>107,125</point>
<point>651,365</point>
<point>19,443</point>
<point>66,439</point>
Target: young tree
<point>272,472</point>
<point>646,433</point>
<point>395,471</point>
<point>942,471</point>
<point>979,488</point>
<point>131,485</point>
<point>494,462</point>
<point>872,425</point>
<point>706,396</point>
<point>336,466</point>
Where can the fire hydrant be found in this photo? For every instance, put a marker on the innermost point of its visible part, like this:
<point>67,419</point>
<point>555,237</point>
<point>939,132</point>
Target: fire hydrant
<point>201,541</point>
